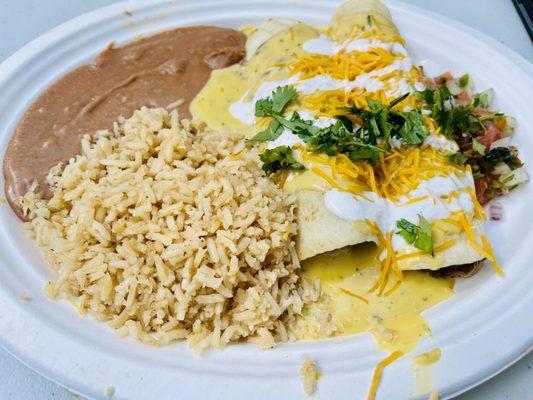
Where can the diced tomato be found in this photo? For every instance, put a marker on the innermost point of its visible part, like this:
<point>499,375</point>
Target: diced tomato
<point>490,136</point>
<point>482,185</point>
<point>447,76</point>
<point>462,98</point>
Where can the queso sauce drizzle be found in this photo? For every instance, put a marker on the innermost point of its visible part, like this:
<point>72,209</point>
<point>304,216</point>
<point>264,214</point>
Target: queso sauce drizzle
<point>154,71</point>
<point>394,318</point>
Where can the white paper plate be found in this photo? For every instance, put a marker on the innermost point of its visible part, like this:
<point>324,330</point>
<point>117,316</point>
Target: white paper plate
<point>484,328</point>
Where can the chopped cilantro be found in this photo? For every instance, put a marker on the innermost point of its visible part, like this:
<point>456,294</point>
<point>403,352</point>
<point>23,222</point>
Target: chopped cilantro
<point>273,107</point>
<point>279,158</point>
<point>270,106</point>
<point>483,99</point>
<point>274,130</point>
<point>341,137</point>
<point>379,125</point>
<point>453,120</point>
<point>463,80</point>
<point>337,138</point>
<point>458,158</point>
<point>380,122</point>
<point>413,131</point>
<point>419,235</point>
<point>478,147</point>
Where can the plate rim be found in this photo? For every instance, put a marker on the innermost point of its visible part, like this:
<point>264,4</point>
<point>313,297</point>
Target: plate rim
<point>66,28</point>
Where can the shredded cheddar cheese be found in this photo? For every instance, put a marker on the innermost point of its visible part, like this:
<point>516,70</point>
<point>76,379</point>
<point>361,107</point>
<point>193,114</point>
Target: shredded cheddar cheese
<point>393,288</point>
<point>479,212</point>
<point>444,246</point>
<point>463,221</point>
<point>330,103</point>
<point>379,371</point>
<point>388,262</point>
<point>356,296</point>
<point>343,65</point>
<point>415,200</point>
<point>488,249</point>
<point>397,174</point>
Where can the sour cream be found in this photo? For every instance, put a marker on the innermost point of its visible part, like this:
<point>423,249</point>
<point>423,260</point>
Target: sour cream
<point>431,68</point>
<point>287,138</point>
<point>244,109</point>
<point>325,46</point>
<point>441,143</point>
<point>386,213</point>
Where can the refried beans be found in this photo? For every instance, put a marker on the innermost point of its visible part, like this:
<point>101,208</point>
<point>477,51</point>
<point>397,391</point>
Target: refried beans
<point>157,71</point>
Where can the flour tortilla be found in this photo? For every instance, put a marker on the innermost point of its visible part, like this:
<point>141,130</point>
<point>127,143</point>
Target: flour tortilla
<point>263,32</point>
<point>320,231</point>
<point>362,15</point>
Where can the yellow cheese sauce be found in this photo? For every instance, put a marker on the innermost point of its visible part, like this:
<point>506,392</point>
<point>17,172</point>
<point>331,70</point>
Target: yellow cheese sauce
<point>423,371</point>
<point>394,318</point>
<point>229,85</point>
<point>429,358</point>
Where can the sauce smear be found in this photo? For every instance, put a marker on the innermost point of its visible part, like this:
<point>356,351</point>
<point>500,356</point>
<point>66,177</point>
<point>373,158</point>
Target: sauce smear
<point>394,318</point>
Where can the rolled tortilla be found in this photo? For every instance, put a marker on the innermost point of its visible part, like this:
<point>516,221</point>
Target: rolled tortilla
<point>320,231</point>
<point>227,103</point>
<point>355,17</point>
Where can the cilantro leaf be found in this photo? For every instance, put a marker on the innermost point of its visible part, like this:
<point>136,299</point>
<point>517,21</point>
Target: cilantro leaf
<point>419,235</point>
<point>380,122</point>
<point>478,147</point>
<point>407,230</point>
<point>337,138</point>
<point>441,97</point>
<point>483,99</point>
<point>275,104</point>
<point>304,129</point>
<point>424,241</point>
<point>425,95</point>
<point>414,131</point>
<point>463,80</point>
<point>279,158</point>
<point>458,158</point>
<point>263,107</point>
<point>281,97</point>
<point>274,130</point>
<point>273,107</point>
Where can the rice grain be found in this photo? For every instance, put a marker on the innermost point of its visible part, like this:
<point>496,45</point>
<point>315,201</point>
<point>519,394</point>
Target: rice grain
<point>160,230</point>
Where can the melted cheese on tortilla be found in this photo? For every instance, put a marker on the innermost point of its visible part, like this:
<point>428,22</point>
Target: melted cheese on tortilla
<point>241,82</point>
